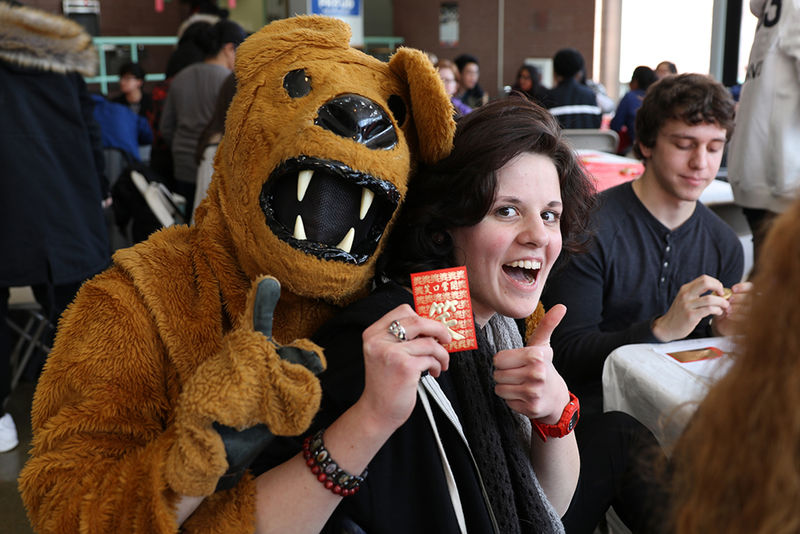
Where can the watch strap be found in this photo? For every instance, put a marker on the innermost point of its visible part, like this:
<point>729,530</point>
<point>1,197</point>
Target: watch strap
<point>565,424</point>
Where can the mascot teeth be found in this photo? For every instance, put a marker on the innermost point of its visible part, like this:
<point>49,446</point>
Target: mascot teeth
<point>347,242</point>
<point>303,179</point>
<point>328,209</point>
<point>299,230</point>
<point>366,202</point>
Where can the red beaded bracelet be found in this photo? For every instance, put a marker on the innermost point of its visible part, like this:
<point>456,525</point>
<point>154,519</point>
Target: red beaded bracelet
<point>327,471</point>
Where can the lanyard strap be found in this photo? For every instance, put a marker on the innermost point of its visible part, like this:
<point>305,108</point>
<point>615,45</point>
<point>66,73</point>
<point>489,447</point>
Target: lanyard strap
<point>432,387</point>
<point>448,472</point>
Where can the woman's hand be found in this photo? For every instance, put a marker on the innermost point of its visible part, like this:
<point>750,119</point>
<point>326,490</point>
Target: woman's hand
<point>393,367</point>
<point>526,378</point>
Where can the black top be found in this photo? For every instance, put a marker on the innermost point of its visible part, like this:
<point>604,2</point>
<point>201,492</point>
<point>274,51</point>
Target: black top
<point>52,186</point>
<point>629,277</point>
<point>574,105</point>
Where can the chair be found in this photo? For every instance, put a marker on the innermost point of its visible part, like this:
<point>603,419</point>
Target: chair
<point>31,334</point>
<point>603,140</point>
<point>117,161</point>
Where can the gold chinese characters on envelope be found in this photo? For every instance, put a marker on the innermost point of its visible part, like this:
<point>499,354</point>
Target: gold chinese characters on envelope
<point>443,295</point>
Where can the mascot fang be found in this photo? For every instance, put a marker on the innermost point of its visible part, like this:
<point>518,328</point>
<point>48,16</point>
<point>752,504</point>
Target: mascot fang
<point>182,346</point>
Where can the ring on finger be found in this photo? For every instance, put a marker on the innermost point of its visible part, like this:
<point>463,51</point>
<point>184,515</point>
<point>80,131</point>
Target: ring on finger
<point>397,330</point>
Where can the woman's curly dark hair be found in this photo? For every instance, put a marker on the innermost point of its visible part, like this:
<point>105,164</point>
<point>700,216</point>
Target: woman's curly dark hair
<point>459,190</point>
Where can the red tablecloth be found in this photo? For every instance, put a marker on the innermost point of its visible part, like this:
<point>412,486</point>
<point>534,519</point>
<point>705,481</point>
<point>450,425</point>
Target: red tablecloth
<point>609,170</point>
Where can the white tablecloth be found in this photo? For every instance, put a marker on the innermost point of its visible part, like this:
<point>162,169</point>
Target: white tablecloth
<point>658,390</point>
<point>717,192</point>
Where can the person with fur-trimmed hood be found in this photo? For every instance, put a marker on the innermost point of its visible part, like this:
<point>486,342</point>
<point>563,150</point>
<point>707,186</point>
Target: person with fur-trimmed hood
<point>52,230</point>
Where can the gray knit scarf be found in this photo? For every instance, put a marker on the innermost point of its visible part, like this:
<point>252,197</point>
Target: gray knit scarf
<point>499,438</point>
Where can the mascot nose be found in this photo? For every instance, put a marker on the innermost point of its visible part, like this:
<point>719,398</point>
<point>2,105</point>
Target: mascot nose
<point>358,118</point>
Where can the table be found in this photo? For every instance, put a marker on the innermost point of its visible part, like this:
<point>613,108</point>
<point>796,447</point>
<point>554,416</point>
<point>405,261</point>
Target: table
<point>608,169</point>
<point>658,390</point>
<point>718,192</point>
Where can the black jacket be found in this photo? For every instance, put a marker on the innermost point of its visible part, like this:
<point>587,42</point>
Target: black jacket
<point>52,227</point>
<point>574,105</point>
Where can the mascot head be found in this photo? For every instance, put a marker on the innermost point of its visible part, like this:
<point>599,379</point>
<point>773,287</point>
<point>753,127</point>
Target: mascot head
<point>319,144</point>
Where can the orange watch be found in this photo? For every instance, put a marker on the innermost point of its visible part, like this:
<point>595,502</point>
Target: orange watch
<point>569,418</point>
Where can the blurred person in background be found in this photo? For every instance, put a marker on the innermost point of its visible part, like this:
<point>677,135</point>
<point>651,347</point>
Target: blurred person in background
<point>571,102</point>
<point>469,91</point>
<point>120,127</point>
<point>737,466</point>
<point>666,68</point>
<point>52,229</point>
<point>192,99</point>
<point>763,159</point>
<point>529,84</point>
<point>624,121</point>
<point>131,81</point>
<point>210,138</point>
<point>448,72</point>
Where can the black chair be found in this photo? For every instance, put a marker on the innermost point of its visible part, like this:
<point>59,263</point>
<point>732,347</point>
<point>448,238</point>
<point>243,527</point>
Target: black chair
<point>25,317</point>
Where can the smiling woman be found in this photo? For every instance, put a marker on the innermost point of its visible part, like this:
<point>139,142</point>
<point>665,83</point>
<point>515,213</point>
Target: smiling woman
<point>510,252</point>
<point>502,203</point>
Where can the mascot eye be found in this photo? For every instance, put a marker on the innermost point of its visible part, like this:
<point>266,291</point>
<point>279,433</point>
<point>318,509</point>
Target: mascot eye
<point>398,109</point>
<point>297,83</point>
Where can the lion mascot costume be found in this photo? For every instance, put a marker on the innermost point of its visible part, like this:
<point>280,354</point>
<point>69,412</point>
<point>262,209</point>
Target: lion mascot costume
<point>182,347</point>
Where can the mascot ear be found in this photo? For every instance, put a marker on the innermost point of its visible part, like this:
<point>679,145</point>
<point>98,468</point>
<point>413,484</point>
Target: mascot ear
<point>431,109</point>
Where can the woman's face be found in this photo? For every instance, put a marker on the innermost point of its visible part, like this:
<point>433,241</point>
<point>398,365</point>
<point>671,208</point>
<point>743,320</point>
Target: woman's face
<point>469,75</point>
<point>449,79</point>
<point>524,80</point>
<point>510,252</point>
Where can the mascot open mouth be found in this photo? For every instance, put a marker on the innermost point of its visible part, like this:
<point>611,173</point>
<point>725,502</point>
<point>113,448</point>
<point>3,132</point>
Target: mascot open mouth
<point>328,209</point>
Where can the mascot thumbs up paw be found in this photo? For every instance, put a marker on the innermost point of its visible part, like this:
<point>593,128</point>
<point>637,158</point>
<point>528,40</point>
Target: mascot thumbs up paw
<point>238,400</point>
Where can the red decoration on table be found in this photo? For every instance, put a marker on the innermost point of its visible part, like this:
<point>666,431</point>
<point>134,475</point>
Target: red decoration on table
<point>609,170</point>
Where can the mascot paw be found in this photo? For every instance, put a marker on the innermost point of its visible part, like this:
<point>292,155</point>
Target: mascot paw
<point>235,403</point>
<point>241,448</point>
<point>268,291</point>
<point>196,460</point>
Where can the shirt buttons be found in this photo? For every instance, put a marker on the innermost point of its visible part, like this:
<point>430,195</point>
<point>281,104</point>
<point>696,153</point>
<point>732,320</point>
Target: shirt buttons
<point>662,279</point>
<point>668,248</point>
<point>666,264</point>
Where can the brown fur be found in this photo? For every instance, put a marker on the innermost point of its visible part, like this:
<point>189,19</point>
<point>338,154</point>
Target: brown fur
<point>41,40</point>
<point>532,321</point>
<point>159,346</point>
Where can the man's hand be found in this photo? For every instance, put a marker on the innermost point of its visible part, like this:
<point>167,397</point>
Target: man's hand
<point>729,322</point>
<point>697,299</point>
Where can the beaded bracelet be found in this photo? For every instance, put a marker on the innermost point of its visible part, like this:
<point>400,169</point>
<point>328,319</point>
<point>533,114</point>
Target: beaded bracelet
<point>327,471</point>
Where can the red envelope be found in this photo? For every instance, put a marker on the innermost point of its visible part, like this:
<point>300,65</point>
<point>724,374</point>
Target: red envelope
<point>444,295</point>
<point>698,354</point>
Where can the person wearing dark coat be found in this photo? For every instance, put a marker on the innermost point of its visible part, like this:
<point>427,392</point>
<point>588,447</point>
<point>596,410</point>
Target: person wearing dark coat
<point>53,233</point>
<point>571,102</point>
